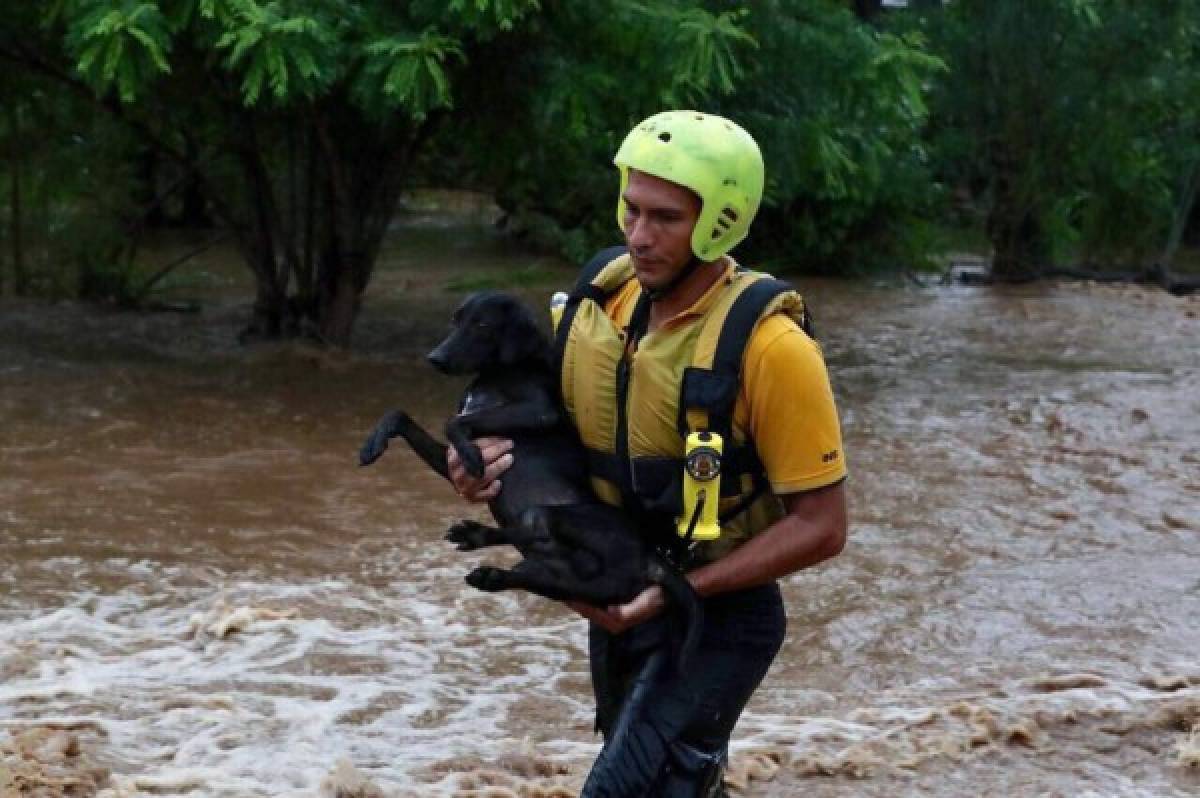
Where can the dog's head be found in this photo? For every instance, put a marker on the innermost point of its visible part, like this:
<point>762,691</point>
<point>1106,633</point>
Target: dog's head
<point>489,330</point>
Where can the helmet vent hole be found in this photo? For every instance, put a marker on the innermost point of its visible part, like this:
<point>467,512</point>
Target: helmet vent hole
<point>664,137</point>
<point>729,213</point>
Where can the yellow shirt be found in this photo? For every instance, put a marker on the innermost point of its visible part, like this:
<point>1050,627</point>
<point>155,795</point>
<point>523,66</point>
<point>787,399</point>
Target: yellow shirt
<point>785,401</point>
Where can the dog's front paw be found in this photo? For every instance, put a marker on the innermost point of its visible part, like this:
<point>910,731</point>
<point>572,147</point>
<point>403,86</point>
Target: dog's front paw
<point>485,577</point>
<point>472,459</point>
<point>377,442</point>
<point>467,535</point>
<point>372,449</point>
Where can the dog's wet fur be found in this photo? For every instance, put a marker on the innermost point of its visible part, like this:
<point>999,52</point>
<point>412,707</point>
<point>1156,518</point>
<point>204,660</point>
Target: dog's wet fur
<point>575,547</point>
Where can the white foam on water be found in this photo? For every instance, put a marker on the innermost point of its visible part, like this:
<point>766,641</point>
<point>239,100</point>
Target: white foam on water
<point>260,688</point>
<point>425,689</point>
<point>1026,732</point>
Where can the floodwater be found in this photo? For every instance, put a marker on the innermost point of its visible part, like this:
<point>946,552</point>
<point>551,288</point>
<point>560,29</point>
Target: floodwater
<point>202,594</point>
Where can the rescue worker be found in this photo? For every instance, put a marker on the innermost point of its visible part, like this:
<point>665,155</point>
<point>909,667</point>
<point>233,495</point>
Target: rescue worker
<point>662,339</point>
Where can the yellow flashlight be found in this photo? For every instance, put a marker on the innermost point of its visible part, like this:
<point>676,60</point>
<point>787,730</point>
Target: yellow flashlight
<point>701,488</point>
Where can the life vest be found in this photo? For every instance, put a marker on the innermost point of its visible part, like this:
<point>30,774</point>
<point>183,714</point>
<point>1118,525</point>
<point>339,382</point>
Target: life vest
<point>634,413</point>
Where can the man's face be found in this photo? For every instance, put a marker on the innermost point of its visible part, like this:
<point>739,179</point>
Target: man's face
<point>659,217</point>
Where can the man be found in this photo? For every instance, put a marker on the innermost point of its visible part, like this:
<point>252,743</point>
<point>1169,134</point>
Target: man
<point>669,338</point>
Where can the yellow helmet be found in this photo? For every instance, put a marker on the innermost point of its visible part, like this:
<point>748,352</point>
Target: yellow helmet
<point>708,154</point>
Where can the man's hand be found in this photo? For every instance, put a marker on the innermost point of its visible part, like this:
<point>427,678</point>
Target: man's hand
<point>617,618</point>
<point>813,530</point>
<point>496,460</point>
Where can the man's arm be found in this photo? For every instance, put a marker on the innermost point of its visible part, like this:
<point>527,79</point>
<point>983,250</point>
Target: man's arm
<point>812,531</point>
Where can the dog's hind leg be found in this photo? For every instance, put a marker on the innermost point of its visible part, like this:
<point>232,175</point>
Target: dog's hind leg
<point>399,423</point>
<point>470,535</point>
<point>531,534</point>
<point>551,581</point>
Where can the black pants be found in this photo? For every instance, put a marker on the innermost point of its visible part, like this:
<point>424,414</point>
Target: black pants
<point>666,732</point>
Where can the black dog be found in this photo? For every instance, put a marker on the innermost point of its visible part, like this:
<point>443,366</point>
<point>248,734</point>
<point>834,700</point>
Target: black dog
<point>575,547</point>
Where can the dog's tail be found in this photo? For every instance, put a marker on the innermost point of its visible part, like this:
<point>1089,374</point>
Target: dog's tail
<point>679,590</point>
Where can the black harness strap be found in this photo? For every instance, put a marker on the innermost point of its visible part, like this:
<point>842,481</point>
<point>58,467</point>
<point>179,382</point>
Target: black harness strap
<point>739,325</point>
<point>638,322</point>
<point>760,487</point>
<point>715,391</point>
<point>604,465</point>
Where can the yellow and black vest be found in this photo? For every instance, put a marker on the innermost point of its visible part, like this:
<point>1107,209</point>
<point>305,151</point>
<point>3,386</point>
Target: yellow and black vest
<point>634,412</point>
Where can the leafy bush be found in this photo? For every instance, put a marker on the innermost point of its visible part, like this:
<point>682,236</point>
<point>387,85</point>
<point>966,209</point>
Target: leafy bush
<point>836,106</point>
<point>1069,121</point>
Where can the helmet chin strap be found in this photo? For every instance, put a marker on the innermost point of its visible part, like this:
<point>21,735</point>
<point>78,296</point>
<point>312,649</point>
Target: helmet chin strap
<point>689,268</point>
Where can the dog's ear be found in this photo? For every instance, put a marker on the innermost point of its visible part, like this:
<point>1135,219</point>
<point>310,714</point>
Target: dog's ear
<point>521,339</point>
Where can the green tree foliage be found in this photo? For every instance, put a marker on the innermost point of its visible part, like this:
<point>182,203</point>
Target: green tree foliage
<point>118,45</point>
<point>1070,127</point>
<point>301,119</point>
<point>69,222</point>
<point>1069,121</point>
<point>836,106</point>
<point>838,109</point>
<point>541,131</point>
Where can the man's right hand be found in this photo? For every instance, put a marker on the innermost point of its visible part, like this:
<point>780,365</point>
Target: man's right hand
<point>497,459</point>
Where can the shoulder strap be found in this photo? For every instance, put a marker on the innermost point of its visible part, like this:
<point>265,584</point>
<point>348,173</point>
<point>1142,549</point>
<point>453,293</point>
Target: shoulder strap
<point>636,329</point>
<point>713,390</point>
<point>740,323</point>
<point>583,284</point>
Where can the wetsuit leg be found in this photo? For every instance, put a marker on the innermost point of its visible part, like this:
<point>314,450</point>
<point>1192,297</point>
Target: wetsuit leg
<point>670,735</point>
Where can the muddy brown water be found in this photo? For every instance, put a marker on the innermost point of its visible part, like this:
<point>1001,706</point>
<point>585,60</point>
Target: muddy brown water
<point>202,594</point>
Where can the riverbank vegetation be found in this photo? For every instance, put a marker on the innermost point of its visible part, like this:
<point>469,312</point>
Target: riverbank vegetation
<point>1063,134</point>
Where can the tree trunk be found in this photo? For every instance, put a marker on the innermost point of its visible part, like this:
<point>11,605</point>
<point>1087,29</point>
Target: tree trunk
<point>867,10</point>
<point>361,189</point>
<point>1191,231</point>
<point>145,187</point>
<point>193,212</point>
<point>270,304</point>
<point>20,275</point>
<point>261,240</point>
<point>340,309</point>
<point>287,224</point>
<point>1183,213</point>
<point>304,278</point>
<point>1020,248</point>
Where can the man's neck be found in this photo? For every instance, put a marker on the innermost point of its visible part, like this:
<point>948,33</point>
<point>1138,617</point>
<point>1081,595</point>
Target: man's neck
<point>684,295</point>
